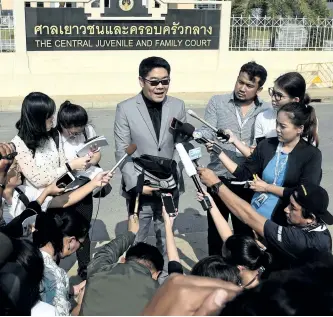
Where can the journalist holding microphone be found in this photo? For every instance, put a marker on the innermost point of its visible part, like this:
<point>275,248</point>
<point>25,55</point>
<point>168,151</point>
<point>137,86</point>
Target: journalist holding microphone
<point>237,110</point>
<point>278,165</point>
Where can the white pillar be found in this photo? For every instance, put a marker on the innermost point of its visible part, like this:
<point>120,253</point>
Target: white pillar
<point>224,31</point>
<point>19,26</point>
<point>21,65</point>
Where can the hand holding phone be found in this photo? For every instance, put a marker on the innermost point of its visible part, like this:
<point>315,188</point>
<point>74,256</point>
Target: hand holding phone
<point>168,204</point>
<point>65,180</point>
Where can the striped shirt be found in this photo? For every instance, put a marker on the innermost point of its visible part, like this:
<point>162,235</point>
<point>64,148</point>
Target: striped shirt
<point>221,113</point>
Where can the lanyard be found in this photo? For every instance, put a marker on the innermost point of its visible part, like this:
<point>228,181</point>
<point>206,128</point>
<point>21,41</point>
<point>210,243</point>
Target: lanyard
<point>239,119</point>
<point>278,169</point>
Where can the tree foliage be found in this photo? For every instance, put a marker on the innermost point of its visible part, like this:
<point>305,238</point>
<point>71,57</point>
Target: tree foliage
<point>311,9</point>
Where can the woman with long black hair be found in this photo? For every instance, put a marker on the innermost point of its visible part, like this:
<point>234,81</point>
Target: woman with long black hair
<point>40,160</point>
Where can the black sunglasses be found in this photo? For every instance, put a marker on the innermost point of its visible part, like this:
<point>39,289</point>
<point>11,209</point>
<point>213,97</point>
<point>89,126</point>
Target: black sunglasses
<point>154,83</point>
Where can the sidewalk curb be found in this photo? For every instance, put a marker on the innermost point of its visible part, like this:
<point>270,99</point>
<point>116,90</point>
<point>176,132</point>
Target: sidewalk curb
<point>9,106</point>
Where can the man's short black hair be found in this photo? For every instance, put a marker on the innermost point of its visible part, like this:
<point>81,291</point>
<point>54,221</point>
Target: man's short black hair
<point>255,70</point>
<point>147,253</point>
<point>148,64</point>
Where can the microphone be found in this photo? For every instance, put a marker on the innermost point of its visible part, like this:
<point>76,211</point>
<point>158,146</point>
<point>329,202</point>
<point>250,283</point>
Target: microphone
<point>198,137</point>
<point>192,173</point>
<point>186,131</point>
<point>129,151</point>
<point>220,133</point>
<point>193,153</point>
<point>183,131</point>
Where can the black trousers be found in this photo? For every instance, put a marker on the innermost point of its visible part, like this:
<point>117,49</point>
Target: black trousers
<point>85,208</point>
<point>215,242</point>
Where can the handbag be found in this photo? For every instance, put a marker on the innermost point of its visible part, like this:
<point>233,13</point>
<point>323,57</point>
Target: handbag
<point>158,171</point>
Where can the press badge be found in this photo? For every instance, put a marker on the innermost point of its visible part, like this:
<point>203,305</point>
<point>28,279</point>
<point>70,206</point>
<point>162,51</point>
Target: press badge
<point>260,200</point>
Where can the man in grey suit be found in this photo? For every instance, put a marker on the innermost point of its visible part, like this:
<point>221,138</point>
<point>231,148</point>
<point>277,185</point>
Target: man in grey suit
<point>145,120</point>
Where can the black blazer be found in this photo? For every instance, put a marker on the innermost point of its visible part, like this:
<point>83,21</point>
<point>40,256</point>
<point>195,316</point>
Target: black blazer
<point>303,167</point>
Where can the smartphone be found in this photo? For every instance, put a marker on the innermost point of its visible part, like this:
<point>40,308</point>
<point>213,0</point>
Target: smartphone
<point>175,124</point>
<point>65,180</point>
<point>169,205</point>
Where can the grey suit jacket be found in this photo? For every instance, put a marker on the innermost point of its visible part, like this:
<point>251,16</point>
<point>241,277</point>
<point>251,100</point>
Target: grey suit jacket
<point>133,125</point>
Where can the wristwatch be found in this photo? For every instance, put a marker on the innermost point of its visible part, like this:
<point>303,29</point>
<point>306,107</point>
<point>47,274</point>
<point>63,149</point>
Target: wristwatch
<point>216,187</point>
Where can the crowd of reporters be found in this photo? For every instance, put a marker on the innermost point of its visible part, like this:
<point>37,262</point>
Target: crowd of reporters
<point>275,260</point>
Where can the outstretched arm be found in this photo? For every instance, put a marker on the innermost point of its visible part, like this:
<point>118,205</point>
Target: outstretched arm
<point>220,223</point>
<point>239,207</point>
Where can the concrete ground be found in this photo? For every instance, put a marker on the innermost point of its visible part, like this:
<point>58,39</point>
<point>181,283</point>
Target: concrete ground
<point>191,224</point>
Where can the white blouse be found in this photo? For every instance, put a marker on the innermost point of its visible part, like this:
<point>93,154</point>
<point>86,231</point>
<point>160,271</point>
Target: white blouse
<point>45,167</point>
<point>72,145</point>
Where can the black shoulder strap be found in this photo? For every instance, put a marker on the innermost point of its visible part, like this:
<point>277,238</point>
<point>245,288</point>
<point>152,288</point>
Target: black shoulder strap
<point>22,196</point>
<point>85,134</point>
<point>55,137</point>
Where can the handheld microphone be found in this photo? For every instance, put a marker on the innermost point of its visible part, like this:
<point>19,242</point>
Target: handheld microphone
<point>198,137</point>
<point>192,173</point>
<point>220,133</point>
<point>183,131</point>
<point>129,151</point>
<point>193,153</point>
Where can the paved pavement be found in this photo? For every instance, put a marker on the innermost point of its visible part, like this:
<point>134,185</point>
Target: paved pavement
<point>196,100</point>
<point>191,224</point>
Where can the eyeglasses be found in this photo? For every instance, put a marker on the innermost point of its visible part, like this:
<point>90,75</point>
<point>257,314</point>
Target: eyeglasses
<point>73,134</point>
<point>277,95</point>
<point>154,83</point>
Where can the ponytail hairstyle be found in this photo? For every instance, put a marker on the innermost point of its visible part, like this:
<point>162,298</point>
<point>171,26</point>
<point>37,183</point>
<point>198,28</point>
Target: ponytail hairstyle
<point>71,115</point>
<point>303,115</point>
<point>53,229</point>
<point>244,250</point>
<point>294,85</point>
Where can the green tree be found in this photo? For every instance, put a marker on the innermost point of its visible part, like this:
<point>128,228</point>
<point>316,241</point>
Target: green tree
<point>311,9</point>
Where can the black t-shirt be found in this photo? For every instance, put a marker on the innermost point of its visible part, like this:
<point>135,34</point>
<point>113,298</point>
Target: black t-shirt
<point>155,113</point>
<point>289,243</point>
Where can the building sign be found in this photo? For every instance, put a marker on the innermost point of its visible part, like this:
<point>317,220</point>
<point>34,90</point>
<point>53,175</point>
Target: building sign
<point>60,29</point>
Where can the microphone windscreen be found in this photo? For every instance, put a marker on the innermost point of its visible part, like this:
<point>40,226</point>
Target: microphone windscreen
<point>197,135</point>
<point>131,149</point>
<point>186,160</point>
<point>187,129</point>
<point>6,248</point>
<point>191,113</point>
